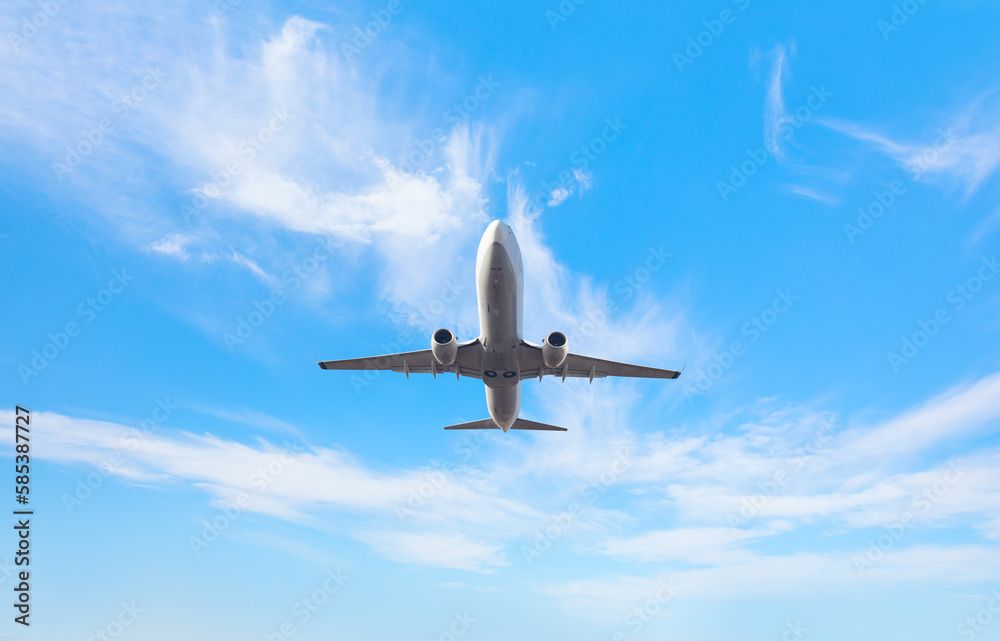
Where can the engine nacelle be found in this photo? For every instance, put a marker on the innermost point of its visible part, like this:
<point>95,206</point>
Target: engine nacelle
<point>555,347</point>
<point>444,347</point>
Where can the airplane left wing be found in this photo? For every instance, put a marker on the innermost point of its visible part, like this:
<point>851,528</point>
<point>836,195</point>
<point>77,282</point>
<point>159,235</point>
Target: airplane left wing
<point>577,366</point>
<point>468,362</point>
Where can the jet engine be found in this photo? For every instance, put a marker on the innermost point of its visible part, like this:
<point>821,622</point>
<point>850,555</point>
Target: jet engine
<point>555,347</point>
<point>444,347</point>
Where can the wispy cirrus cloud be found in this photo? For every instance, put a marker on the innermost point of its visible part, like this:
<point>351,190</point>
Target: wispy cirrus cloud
<point>785,576</point>
<point>810,193</point>
<point>279,134</point>
<point>963,151</point>
<point>775,114</point>
<point>674,497</point>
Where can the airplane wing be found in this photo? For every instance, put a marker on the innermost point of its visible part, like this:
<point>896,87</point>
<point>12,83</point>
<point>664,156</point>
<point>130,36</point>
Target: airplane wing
<point>467,363</point>
<point>577,366</point>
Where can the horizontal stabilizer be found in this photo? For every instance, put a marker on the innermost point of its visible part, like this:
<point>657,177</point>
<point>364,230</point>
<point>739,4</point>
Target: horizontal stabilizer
<point>485,424</point>
<point>519,424</point>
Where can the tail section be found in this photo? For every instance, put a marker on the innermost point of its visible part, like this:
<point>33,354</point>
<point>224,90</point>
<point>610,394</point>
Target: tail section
<point>519,424</point>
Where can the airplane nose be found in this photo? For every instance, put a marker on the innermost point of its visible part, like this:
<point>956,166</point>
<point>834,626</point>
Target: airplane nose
<point>497,232</point>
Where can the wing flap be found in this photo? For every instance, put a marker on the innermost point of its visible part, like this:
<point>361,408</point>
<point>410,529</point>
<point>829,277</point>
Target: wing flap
<point>392,362</point>
<point>578,366</point>
<point>467,363</point>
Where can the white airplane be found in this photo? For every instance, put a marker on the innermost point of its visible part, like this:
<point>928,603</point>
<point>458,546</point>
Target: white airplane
<point>500,357</point>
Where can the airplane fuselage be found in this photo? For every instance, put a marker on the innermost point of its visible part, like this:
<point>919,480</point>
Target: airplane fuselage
<point>500,290</point>
<point>499,356</point>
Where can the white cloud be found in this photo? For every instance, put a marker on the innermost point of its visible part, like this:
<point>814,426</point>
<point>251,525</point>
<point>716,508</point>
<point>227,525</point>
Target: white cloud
<point>439,550</point>
<point>329,170</point>
<point>812,194</point>
<point>960,411</point>
<point>699,545</point>
<point>558,196</point>
<point>581,182</point>
<point>673,495</point>
<point>172,245</point>
<point>787,576</point>
<point>775,113</point>
<point>307,484</point>
<point>965,151</point>
<point>275,132</point>
<point>986,227</point>
<point>554,299</point>
<point>254,268</point>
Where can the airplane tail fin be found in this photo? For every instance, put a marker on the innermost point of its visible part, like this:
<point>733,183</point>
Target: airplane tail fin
<point>519,424</point>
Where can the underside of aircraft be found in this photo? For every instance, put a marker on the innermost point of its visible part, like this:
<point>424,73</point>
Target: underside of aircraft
<point>499,356</point>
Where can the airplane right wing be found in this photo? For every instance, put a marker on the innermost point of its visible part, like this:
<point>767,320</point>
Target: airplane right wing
<point>577,366</point>
<point>468,362</point>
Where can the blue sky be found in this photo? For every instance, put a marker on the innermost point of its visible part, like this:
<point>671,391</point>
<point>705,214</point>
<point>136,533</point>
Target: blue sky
<point>797,202</point>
